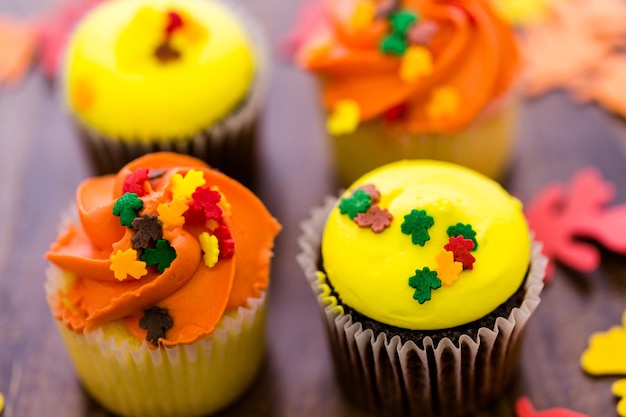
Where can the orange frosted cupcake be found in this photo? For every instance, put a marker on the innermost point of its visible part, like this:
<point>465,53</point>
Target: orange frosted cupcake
<point>414,79</point>
<point>158,287</point>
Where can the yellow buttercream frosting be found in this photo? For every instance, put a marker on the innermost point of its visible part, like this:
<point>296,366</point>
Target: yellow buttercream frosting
<point>389,278</point>
<point>157,69</point>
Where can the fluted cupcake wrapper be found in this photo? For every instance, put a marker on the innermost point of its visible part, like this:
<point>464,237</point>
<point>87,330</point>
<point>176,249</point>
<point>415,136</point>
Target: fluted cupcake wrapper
<point>389,377</point>
<point>486,145</point>
<point>183,381</point>
<point>229,145</point>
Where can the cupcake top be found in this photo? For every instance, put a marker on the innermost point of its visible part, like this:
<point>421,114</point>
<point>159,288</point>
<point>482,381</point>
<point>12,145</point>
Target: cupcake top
<point>425,245</point>
<point>166,247</point>
<point>423,66</point>
<point>157,69</point>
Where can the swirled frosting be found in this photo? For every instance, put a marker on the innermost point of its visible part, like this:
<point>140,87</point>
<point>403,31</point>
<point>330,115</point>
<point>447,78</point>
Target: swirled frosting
<point>167,243</point>
<point>157,69</point>
<point>425,66</point>
<point>425,245</point>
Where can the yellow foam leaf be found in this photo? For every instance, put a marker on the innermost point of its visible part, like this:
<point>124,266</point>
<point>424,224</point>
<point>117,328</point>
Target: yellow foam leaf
<point>619,390</point>
<point>606,354</point>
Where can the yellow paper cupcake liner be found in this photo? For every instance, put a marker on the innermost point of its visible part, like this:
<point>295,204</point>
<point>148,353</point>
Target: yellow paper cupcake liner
<point>389,377</point>
<point>485,146</point>
<point>134,379</point>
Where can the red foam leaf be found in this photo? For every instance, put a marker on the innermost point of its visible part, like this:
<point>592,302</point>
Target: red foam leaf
<point>54,30</point>
<point>18,42</point>
<point>561,215</point>
<point>524,408</point>
<point>310,18</point>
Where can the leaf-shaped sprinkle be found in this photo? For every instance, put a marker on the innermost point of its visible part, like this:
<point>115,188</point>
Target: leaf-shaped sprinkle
<point>210,247</point>
<point>416,224</point>
<point>126,208</point>
<point>156,321</point>
<point>376,218</point>
<point>171,215</point>
<point>359,202</point>
<point>461,249</point>
<point>424,281</point>
<point>447,269</point>
<point>125,263</point>
<point>162,255</point>
<point>148,229</point>
<point>185,186</point>
<point>465,230</point>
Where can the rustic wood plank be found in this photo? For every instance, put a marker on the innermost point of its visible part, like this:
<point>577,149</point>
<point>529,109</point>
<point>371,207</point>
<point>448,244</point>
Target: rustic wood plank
<point>41,164</point>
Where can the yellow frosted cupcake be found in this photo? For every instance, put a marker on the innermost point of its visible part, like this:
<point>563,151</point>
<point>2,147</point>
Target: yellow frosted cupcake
<point>179,75</point>
<point>427,279</point>
<point>158,287</point>
<point>414,79</point>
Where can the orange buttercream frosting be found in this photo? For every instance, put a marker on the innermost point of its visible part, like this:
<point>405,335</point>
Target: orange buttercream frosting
<point>428,66</point>
<point>167,243</point>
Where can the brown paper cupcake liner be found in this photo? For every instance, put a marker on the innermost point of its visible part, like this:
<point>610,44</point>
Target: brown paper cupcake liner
<point>388,377</point>
<point>229,145</point>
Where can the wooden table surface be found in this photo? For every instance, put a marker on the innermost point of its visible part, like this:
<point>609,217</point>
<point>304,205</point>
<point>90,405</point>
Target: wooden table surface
<point>41,165</point>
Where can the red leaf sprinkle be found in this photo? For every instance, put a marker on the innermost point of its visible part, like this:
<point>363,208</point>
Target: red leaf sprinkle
<point>370,189</point>
<point>135,182</point>
<point>376,218</point>
<point>225,242</point>
<point>175,21</point>
<point>462,248</point>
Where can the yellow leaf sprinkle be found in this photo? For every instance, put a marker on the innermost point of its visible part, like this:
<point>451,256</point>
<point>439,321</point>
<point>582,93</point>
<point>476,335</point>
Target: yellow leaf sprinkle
<point>606,354</point>
<point>186,186</point>
<point>211,249</point>
<point>1,403</point>
<point>445,101</point>
<point>417,62</point>
<point>125,263</point>
<point>448,269</point>
<point>344,119</point>
<point>363,16</point>
<point>171,215</point>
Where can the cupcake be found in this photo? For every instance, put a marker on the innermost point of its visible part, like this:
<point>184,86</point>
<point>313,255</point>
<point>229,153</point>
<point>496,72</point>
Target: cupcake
<point>158,284</point>
<point>167,75</point>
<point>414,79</point>
<point>426,275</point>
